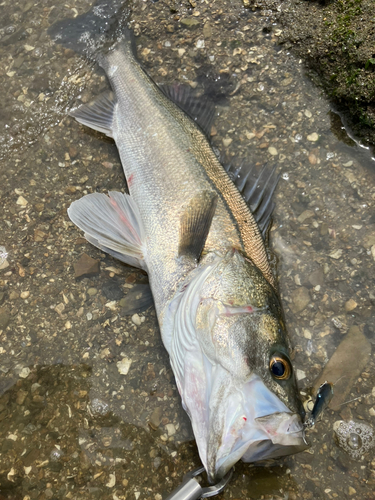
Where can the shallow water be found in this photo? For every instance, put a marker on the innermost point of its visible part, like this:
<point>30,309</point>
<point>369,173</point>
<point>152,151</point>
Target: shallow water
<point>72,426</point>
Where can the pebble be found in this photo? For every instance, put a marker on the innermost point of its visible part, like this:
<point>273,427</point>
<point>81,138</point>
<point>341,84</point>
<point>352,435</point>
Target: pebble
<point>13,295</point>
<point>369,239</point>
<point>350,305</point>
<point>86,266</point>
<point>112,305</point>
<point>124,365</point>
<point>207,31</point>
<point>316,278</point>
<point>190,23</point>
<point>350,176</point>
<point>307,334</point>
<point>286,81</point>
<point>25,372</point>
<point>171,429</point>
<point>336,254</point>
<point>3,263</point>
<point>25,295</point>
<point>21,396</point>
<point>155,418</point>
<point>312,159</point>
<point>300,374</point>
<point>300,299</point>
<point>272,151</point>
<point>99,407</point>
<point>227,141</point>
<point>39,235</point>
<point>313,137</point>
<point>373,251</point>
<point>352,491</point>
<point>3,255</point>
<point>112,480</point>
<point>348,164</point>
<point>21,201</point>
<point>308,113</point>
<point>92,291</point>
<point>60,308</point>
<point>200,44</point>
<point>305,215</point>
<point>4,318</point>
<point>136,319</point>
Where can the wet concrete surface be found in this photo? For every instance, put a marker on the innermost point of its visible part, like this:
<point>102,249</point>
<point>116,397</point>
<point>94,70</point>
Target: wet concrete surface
<point>88,403</point>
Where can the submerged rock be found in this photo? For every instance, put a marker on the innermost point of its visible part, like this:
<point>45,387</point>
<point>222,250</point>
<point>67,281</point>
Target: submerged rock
<point>341,369</point>
<point>86,266</point>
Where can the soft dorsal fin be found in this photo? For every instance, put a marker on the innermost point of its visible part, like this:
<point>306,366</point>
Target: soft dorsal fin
<point>113,224</point>
<point>195,224</point>
<point>257,191</point>
<point>200,109</point>
<point>98,114</point>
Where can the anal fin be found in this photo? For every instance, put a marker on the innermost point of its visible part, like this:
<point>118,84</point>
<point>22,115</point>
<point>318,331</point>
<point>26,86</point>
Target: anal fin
<point>98,114</point>
<point>138,299</point>
<point>195,224</point>
<point>113,224</point>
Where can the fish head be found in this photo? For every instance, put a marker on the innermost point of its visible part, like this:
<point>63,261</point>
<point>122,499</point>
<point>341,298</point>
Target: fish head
<point>250,403</point>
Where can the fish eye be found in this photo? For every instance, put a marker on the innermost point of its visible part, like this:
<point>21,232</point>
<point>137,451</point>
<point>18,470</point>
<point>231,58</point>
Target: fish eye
<point>280,367</point>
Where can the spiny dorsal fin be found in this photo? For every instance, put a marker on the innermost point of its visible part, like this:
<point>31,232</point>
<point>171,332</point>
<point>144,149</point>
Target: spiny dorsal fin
<point>257,191</point>
<point>200,109</point>
<point>195,224</point>
<point>98,114</point>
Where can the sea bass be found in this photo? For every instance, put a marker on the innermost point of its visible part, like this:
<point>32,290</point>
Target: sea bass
<point>186,223</point>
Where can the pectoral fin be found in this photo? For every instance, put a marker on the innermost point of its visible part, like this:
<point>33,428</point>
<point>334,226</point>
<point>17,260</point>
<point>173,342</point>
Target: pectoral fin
<point>195,224</point>
<point>98,114</point>
<point>112,224</point>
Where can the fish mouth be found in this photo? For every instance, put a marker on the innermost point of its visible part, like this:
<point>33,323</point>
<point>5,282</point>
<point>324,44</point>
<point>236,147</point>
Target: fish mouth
<point>250,423</point>
<point>282,428</point>
<point>271,436</point>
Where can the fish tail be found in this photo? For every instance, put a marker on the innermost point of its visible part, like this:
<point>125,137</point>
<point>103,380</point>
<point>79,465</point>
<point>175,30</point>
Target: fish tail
<point>94,32</point>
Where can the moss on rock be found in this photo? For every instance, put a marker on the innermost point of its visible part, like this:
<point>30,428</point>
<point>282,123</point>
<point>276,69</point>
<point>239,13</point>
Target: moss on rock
<point>337,41</point>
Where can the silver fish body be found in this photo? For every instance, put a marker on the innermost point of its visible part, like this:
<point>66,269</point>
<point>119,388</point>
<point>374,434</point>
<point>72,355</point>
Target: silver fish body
<point>220,316</point>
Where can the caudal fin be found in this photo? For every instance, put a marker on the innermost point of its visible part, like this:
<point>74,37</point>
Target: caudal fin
<point>90,32</point>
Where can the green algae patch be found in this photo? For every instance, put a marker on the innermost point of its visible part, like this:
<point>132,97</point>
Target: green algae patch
<point>336,40</point>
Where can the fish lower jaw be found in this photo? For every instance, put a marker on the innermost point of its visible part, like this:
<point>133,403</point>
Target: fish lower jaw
<point>272,436</point>
<point>257,451</point>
